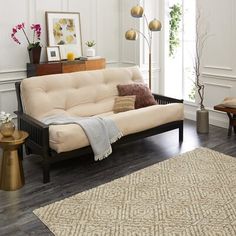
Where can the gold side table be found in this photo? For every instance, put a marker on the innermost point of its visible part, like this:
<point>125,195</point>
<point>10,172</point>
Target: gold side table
<point>11,170</point>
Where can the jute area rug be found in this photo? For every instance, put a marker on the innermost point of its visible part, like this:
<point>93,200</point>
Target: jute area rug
<point>191,194</point>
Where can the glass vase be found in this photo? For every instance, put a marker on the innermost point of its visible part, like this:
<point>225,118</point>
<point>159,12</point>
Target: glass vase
<point>7,129</point>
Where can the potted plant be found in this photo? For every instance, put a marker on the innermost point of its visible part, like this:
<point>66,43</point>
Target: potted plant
<point>174,24</point>
<point>34,47</point>
<point>90,49</point>
<point>202,114</point>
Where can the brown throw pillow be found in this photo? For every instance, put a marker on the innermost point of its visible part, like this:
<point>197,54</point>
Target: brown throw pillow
<point>124,103</point>
<point>143,94</point>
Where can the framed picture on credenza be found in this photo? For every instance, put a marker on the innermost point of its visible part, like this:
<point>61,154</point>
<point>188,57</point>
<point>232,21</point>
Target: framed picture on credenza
<point>64,31</point>
<point>53,53</point>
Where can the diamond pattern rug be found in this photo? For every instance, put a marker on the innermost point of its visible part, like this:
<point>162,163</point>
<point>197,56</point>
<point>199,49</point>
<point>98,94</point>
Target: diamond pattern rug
<point>191,194</point>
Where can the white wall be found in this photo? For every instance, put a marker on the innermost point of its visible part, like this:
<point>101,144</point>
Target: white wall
<point>100,21</point>
<point>218,61</point>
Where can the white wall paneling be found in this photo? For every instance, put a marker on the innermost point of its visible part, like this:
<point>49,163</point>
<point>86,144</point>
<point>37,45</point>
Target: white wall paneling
<point>215,93</point>
<point>217,87</point>
<point>8,100</point>
<point>129,53</point>
<point>5,96</point>
<point>218,68</point>
<point>88,18</point>
<point>11,54</point>
<point>218,53</point>
<point>219,76</point>
<point>40,8</point>
<point>108,32</point>
<point>218,61</point>
<point>100,21</point>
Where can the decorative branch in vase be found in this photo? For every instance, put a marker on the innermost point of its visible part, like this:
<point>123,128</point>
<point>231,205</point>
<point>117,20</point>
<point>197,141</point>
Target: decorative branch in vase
<point>202,116</point>
<point>34,47</point>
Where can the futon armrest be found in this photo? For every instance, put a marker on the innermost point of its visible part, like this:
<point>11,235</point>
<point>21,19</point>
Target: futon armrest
<point>166,100</point>
<point>38,132</point>
<point>31,120</point>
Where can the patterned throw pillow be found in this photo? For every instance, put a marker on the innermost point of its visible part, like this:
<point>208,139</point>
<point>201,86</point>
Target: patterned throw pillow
<point>124,103</point>
<point>143,94</point>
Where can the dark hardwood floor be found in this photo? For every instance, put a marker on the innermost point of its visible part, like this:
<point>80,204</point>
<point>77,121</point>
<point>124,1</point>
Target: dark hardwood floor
<point>74,176</point>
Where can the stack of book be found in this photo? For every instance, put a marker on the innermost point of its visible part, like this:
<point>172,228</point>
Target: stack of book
<point>89,58</point>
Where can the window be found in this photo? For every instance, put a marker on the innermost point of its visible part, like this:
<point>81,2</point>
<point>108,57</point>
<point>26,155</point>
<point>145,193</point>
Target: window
<point>179,48</point>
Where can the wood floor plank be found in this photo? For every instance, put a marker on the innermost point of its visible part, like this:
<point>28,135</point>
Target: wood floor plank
<point>77,175</point>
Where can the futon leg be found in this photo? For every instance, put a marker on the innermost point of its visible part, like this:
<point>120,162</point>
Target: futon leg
<point>46,172</point>
<point>231,121</point>
<point>181,134</point>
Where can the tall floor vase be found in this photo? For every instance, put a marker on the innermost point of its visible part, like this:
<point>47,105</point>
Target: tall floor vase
<point>202,119</point>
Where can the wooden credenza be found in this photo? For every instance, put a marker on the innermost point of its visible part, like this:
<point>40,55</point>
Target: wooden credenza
<point>47,68</point>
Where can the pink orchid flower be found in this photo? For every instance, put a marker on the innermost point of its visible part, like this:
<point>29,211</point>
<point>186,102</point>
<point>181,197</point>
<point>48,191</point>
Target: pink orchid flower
<point>36,31</point>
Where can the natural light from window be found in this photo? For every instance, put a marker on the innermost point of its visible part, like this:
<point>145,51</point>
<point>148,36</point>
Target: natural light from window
<point>180,48</point>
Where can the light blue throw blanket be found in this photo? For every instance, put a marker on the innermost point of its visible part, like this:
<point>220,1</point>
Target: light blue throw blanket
<point>101,132</point>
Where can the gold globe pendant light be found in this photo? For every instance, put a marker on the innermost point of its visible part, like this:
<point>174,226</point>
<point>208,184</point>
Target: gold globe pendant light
<point>137,11</point>
<point>131,34</point>
<point>155,25</point>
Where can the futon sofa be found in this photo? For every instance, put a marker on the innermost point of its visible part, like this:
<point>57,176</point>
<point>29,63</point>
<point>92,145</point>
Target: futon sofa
<point>86,94</point>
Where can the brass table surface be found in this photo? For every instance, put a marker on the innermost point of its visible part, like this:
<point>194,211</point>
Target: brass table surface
<point>17,138</point>
<point>11,170</point>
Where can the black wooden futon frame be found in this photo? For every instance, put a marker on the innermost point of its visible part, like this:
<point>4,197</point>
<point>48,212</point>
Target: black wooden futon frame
<point>38,140</point>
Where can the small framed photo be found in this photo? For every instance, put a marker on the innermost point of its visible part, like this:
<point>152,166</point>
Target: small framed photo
<point>64,30</point>
<point>53,53</point>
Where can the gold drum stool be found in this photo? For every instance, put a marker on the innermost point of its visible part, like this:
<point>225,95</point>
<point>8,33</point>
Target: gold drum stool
<point>11,170</point>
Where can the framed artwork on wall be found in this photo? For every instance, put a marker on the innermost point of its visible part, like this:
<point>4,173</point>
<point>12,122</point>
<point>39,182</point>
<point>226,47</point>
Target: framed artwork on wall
<point>53,53</point>
<point>64,31</point>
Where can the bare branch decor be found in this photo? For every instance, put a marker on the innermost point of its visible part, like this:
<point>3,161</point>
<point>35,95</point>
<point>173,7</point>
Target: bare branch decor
<point>199,46</point>
<point>202,115</point>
